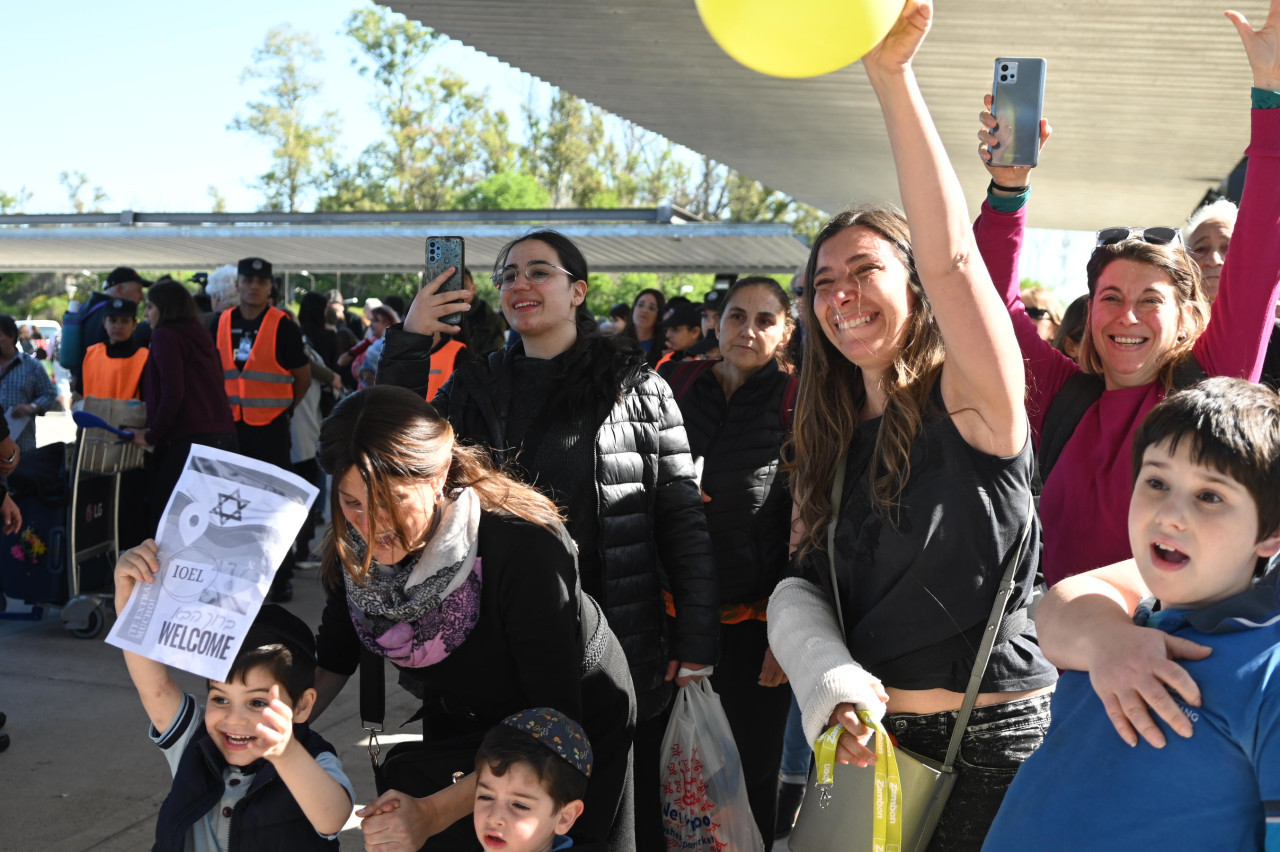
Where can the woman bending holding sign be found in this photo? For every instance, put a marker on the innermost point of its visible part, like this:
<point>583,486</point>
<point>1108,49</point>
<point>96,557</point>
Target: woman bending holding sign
<point>913,382</point>
<point>467,581</point>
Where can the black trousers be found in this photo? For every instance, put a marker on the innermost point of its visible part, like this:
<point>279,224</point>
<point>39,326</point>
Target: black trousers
<point>650,833</point>
<point>169,461</point>
<point>757,715</point>
<point>309,469</point>
<point>270,444</point>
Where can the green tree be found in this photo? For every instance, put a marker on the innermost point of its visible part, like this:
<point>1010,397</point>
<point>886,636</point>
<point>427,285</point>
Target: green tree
<point>217,201</point>
<point>441,138</point>
<point>506,191</point>
<point>77,187</point>
<point>605,291</point>
<point>13,203</point>
<point>565,151</point>
<point>300,148</point>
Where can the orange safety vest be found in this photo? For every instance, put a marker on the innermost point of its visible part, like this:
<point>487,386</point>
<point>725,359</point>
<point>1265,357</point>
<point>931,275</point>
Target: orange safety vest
<point>443,361</point>
<point>113,378</point>
<point>262,391</point>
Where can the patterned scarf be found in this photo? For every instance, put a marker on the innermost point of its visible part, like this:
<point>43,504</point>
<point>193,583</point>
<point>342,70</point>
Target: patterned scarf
<point>416,612</point>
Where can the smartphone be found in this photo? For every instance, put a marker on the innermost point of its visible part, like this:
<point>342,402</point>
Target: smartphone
<point>443,252</point>
<point>1017,102</point>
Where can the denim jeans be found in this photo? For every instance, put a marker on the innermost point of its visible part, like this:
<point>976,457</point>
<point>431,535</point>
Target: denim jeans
<point>999,737</point>
<point>796,750</point>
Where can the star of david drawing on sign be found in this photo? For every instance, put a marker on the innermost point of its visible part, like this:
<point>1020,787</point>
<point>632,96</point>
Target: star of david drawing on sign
<point>230,508</point>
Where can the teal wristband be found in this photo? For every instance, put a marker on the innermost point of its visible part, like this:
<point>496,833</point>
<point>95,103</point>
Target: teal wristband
<point>1264,99</point>
<point>1008,203</point>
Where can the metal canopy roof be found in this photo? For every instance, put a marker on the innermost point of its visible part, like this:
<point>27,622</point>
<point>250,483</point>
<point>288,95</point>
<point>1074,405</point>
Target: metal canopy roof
<point>661,240</point>
<point>1149,102</point>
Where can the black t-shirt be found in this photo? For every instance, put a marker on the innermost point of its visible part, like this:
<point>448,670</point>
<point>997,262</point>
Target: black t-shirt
<point>926,586</point>
<point>289,351</point>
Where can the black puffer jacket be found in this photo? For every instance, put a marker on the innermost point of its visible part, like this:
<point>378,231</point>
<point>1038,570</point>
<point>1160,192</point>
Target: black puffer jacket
<point>649,508</point>
<point>740,442</point>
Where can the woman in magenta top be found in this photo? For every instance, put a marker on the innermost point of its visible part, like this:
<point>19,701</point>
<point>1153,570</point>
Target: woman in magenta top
<point>1146,315</point>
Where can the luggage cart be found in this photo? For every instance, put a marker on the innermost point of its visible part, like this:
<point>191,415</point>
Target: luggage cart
<point>93,514</point>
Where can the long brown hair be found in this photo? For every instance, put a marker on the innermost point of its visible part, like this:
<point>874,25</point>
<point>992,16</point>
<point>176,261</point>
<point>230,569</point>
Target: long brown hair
<point>832,392</point>
<point>391,436</point>
<point>1183,275</point>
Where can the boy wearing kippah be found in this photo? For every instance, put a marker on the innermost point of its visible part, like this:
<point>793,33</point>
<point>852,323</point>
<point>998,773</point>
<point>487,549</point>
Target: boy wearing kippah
<point>247,771</point>
<point>531,772</point>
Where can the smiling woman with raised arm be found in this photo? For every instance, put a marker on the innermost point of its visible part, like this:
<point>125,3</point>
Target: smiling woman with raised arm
<point>1085,620</point>
<point>1149,331</point>
<point>937,465</point>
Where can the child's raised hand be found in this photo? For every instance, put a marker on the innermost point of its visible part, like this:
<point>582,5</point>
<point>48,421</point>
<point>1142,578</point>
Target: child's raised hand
<point>275,731</point>
<point>136,565</point>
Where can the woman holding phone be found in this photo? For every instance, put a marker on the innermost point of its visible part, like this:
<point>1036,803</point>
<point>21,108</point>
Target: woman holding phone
<point>581,417</point>
<point>1149,331</point>
<point>913,383</point>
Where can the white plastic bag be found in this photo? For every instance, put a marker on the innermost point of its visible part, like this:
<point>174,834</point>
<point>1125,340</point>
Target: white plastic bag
<point>704,796</point>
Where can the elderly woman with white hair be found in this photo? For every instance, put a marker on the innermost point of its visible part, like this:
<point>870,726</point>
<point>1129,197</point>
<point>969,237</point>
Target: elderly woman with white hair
<point>221,288</point>
<point>1207,236</point>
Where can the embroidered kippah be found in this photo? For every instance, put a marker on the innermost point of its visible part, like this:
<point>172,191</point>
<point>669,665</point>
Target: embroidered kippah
<point>557,732</point>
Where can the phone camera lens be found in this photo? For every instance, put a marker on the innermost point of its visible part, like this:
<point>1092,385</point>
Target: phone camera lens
<point>1004,78</point>
<point>1004,67</point>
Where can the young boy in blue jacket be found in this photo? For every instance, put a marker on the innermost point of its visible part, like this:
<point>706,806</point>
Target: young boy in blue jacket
<point>1204,520</point>
<point>247,772</point>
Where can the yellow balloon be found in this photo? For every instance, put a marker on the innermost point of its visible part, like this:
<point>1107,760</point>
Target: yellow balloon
<point>798,38</point>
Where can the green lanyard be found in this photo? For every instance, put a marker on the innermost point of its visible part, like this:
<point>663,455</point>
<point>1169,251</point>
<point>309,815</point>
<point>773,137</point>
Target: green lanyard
<point>887,833</point>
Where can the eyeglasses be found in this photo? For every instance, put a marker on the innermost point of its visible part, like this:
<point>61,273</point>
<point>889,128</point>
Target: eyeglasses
<point>1157,236</point>
<point>536,272</point>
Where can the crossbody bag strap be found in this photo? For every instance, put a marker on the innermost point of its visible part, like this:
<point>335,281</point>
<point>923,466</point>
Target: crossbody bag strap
<point>373,699</point>
<point>837,494</point>
<point>1003,593</point>
<point>989,635</point>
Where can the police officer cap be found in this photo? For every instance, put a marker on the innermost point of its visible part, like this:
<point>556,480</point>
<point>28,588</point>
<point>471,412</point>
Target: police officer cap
<point>122,308</point>
<point>254,267</point>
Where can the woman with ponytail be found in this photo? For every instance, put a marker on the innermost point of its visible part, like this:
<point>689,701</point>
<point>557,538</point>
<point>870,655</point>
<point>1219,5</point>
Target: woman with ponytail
<point>466,581</point>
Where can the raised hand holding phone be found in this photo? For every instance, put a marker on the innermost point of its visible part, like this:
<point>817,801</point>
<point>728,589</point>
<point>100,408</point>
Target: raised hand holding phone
<point>431,307</point>
<point>443,254</point>
<point>1008,176</point>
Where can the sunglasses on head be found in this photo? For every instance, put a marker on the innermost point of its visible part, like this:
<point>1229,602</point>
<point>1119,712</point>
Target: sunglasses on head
<point>1157,236</point>
<point>1038,313</point>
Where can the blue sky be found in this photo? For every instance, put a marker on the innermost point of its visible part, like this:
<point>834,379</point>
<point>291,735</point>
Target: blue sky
<point>137,94</point>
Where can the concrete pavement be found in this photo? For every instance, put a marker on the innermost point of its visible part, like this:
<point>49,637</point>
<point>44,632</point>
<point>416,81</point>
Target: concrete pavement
<point>81,773</point>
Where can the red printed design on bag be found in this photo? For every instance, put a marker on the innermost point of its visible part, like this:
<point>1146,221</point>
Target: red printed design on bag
<point>687,808</point>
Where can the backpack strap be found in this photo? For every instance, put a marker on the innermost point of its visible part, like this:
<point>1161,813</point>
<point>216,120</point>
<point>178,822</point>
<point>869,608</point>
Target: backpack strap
<point>1080,392</point>
<point>1188,372</point>
<point>684,375</point>
<point>1066,410</point>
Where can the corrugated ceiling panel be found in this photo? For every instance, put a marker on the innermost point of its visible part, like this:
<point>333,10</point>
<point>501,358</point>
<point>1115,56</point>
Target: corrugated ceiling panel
<point>1149,103</point>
